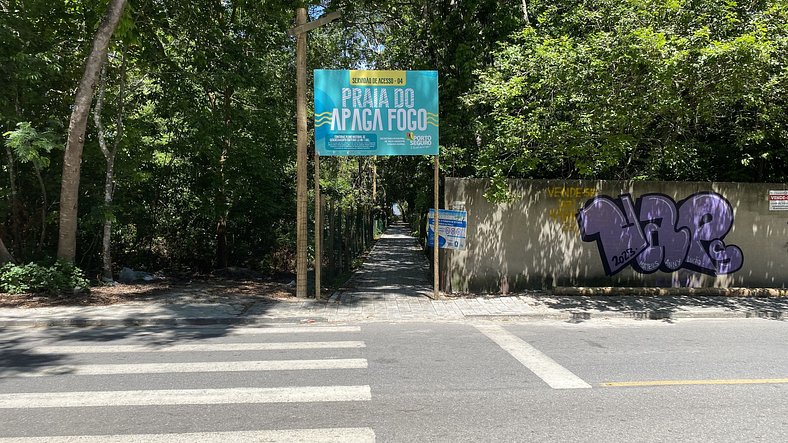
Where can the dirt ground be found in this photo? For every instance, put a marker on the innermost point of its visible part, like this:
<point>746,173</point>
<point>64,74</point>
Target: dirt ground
<point>167,291</point>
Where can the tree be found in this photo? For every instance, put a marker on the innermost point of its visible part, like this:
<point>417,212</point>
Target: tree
<point>31,146</point>
<point>455,38</point>
<point>109,156</point>
<point>212,180</point>
<point>652,89</point>
<point>204,176</point>
<point>69,191</point>
<point>41,44</point>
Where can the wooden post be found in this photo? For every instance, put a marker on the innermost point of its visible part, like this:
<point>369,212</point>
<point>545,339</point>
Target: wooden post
<point>301,199</point>
<point>435,237</point>
<point>374,180</point>
<point>339,241</point>
<point>347,240</point>
<point>318,228</point>
<point>332,255</point>
<point>299,31</point>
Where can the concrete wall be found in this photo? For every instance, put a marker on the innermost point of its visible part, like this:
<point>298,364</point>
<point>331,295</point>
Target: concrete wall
<point>688,235</point>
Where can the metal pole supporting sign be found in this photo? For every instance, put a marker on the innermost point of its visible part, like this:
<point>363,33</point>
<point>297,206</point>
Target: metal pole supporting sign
<point>435,242</point>
<point>318,228</point>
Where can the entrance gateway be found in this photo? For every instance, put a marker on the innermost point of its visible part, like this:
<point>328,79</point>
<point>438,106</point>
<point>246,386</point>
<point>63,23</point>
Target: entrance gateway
<point>374,112</point>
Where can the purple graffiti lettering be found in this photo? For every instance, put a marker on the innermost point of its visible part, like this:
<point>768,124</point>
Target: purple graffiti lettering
<point>667,246</point>
<point>709,218</point>
<point>657,234</point>
<point>615,228</point>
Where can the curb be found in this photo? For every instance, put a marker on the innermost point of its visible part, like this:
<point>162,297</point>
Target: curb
<point>642,292</point>
<point>570,316</point>
<point>578,316</point>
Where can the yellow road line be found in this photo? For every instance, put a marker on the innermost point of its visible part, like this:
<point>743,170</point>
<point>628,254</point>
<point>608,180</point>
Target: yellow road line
<point>741,381</point>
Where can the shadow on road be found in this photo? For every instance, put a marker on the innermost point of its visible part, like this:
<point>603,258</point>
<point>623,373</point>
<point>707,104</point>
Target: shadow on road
<point>19,354</point>
<point>759,307</point>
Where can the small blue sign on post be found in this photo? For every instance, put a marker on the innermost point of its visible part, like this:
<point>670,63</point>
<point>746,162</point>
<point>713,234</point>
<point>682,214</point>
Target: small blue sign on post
<point>452,227</point>
<point>360,112</point>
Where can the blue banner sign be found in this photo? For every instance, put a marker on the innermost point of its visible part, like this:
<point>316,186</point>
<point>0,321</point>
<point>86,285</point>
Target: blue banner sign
<point>376,112</point>
<point>452,229</point>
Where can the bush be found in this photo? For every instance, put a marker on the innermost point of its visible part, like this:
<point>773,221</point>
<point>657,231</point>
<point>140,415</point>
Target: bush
<point>60,277</point>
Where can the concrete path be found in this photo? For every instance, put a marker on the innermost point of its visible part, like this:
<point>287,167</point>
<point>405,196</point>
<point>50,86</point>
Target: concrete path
<point>395,269</point>
<point>394,285</point>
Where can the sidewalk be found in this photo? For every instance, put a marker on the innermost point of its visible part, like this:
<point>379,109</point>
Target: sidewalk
<point>393,285</point>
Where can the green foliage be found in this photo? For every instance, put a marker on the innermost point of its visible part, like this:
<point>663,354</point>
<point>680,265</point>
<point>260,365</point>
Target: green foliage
<point>648,89</point>
<point>606,89</point>
<point>30,145</point>
<point>60,277</point>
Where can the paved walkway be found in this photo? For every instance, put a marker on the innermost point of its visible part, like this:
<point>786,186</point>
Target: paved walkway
<point>394,285</point>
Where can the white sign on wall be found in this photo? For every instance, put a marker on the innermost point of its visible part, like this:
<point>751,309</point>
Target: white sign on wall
<point>453,226</point>
<point>778,200</point>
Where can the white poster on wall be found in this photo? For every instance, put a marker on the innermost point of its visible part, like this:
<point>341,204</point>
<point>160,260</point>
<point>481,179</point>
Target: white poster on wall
<point>778,200</point>
<point>452,227</point>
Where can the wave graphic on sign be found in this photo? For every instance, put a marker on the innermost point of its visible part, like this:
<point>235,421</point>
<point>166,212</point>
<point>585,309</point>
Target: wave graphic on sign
<point>323,119</point>
<point>432,119</point>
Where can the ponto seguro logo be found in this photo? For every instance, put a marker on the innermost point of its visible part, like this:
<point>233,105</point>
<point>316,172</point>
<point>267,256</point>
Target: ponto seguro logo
<point>419,140</point>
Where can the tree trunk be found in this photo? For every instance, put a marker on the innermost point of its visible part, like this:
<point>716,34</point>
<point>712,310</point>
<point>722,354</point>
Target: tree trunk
<point>72,159</point>
<point>222,204</point>
<point>11,174</point>
<point>525,12</point>
<point>44,204</point>
<point>221,241</point>
<point>14,204</point>
<point>109,156</point>
<point>5,256</point>
<point>222,199</point>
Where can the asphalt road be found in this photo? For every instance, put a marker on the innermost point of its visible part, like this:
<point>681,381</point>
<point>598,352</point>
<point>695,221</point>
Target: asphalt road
<point>693,380</point>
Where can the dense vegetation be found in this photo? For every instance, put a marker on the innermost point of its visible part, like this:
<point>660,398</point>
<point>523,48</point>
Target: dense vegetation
<point>193,111</point>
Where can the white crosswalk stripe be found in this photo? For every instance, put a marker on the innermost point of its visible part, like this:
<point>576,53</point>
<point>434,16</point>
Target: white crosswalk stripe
<point>198,347</point>
<point>350,435</point>
<point>184,397</point>
<point>293,330</point>
<point>555,375</point>
<point>178,357</point>
<point>224,366</point>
